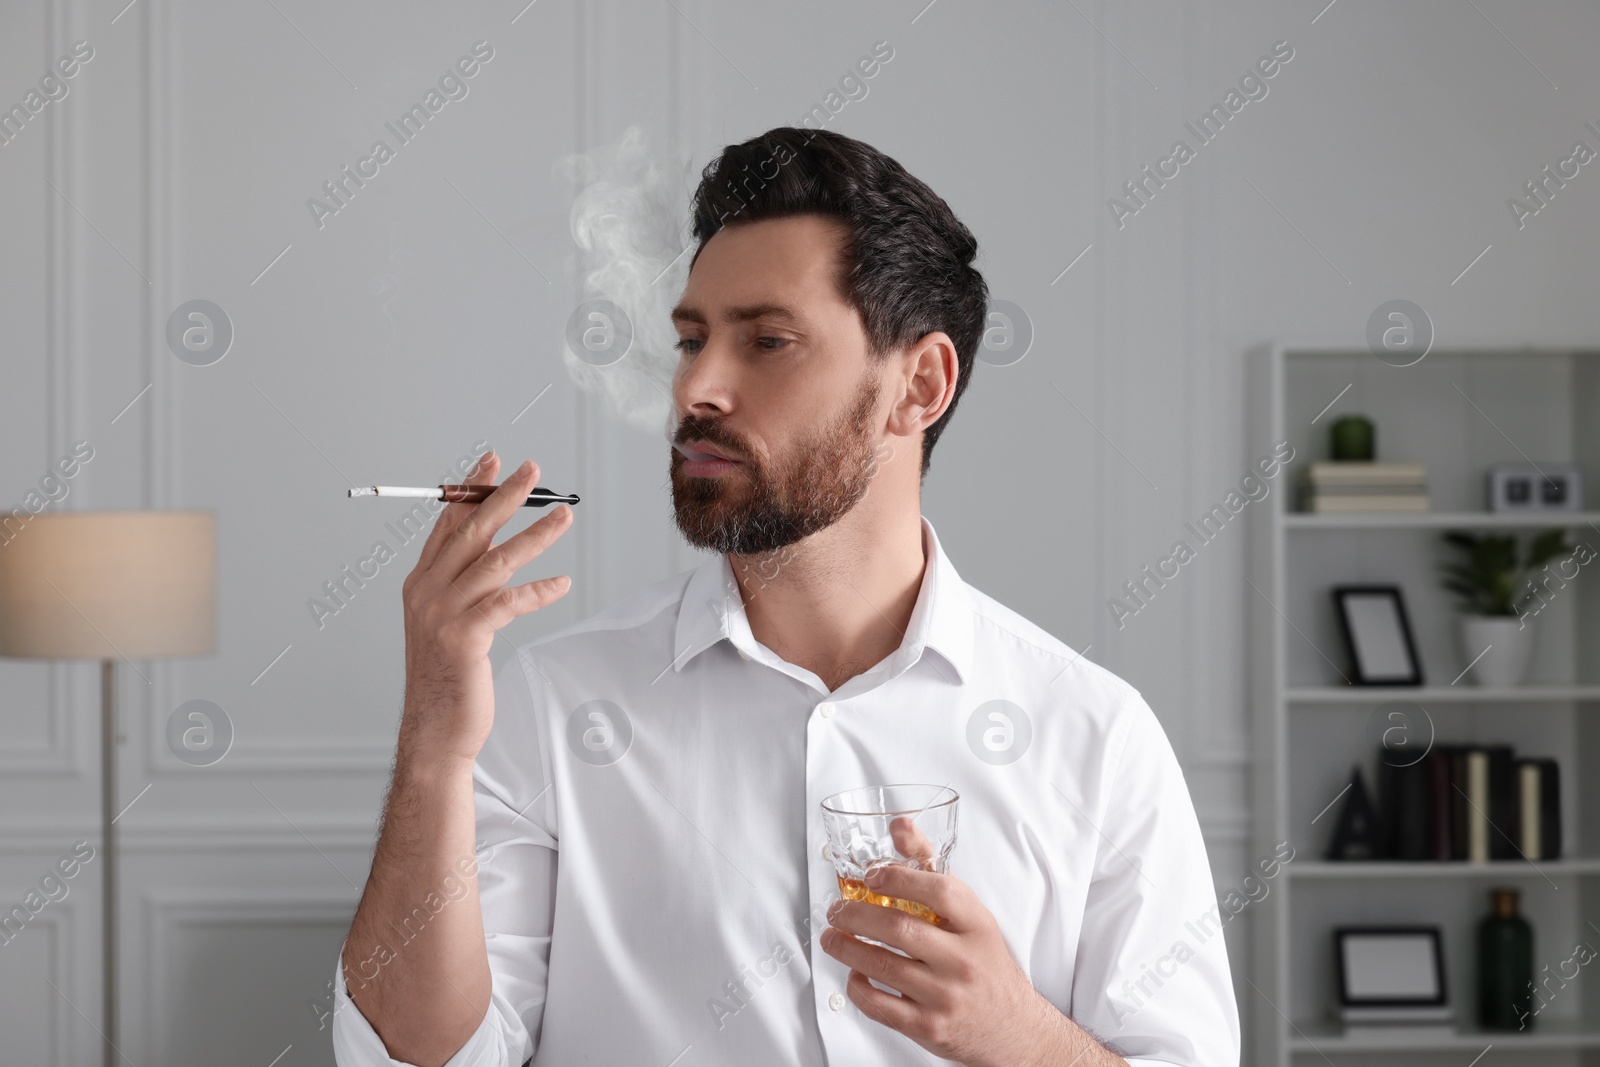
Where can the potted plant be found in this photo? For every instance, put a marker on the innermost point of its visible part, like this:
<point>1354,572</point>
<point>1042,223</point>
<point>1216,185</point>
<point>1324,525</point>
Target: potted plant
<point>1492,591</point>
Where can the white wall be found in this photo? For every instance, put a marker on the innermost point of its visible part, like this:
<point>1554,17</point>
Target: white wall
<point>429,311</point>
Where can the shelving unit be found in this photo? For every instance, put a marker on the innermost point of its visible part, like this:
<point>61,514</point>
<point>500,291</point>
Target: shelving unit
<point>1434,520</point>
<point>1456,412</point>
<point>1494,870</point>
<point>1460,694</point>
<point>1324,1038</point>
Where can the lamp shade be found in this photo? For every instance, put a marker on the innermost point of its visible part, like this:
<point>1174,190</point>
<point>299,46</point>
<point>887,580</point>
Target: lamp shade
<point>111,584</point>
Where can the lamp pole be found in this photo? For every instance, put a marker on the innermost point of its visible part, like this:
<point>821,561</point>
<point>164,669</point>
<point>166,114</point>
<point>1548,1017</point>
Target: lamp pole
<point>108,815</point>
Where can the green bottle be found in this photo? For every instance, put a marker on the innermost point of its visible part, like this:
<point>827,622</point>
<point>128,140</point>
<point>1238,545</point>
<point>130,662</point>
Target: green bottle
<point>1505,966</point>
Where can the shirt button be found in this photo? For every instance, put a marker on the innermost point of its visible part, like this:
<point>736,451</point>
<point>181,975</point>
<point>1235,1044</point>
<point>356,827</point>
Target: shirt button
<point>827,853</point>
<point>825,710</point>
<point>836,1001</point>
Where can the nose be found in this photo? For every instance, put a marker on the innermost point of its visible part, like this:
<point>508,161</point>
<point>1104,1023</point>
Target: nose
<point>702,385</point>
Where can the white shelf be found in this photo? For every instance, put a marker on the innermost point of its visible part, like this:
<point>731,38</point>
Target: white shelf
<point>1435,520</point>
<point>1458,416</point>
<point>1545,1033</point>
<point>1463,694</point>
<point>1494,869</point>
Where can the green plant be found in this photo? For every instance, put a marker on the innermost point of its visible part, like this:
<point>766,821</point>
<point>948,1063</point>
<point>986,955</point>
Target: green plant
<point>1486,576</point>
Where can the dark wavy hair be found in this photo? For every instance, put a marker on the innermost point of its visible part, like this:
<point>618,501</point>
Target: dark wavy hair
<point>906,266</point>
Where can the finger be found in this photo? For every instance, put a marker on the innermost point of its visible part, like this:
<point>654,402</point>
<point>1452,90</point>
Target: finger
<point>944,893</point>
<point>897,1013</point>
<point>900,973</point>
<point>482,473</point>
<point>496,566</point>
<point>911,842</point>
<point>472,537</point>
<point>916,937</point>
<point>519,600</point>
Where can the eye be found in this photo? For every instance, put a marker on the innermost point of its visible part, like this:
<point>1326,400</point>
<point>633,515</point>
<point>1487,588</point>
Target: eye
<point>772,344</point>
<point>686,344</point>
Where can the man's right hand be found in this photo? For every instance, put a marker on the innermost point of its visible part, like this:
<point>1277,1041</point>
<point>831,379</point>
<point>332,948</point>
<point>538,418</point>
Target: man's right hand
<point>455,599</point>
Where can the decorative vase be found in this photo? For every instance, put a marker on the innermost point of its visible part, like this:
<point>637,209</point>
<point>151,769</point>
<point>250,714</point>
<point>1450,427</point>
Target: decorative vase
<point>1509,644</point>
<point>1352,439</point>
<point>1505,966</point>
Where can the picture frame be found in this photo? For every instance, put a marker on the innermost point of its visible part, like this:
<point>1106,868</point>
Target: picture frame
<point>1543,487</point>
<point>1390,966</point>
<point>1377,635</point>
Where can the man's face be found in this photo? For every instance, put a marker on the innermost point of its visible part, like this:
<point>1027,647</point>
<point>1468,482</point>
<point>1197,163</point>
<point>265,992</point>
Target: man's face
<point>774,375</point>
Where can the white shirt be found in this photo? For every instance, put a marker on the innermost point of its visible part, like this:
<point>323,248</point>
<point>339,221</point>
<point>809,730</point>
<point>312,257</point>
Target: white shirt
<point>659,898</point>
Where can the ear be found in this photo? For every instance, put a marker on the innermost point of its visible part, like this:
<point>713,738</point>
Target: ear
<point>929,371</point>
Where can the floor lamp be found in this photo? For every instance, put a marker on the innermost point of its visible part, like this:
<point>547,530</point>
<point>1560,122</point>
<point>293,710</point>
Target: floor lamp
<point>107,586</point>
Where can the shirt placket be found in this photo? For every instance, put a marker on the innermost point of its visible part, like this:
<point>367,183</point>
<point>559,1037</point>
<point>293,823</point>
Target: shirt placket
<point>824,747</point>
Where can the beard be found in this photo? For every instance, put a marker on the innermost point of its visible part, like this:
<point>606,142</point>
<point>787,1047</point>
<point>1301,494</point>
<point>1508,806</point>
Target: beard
<point>760,508</point>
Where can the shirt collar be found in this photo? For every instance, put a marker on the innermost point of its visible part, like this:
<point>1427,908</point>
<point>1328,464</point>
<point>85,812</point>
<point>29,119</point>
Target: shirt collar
<point>712,609</point>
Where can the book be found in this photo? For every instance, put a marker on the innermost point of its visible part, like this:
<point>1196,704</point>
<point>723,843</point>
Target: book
<point>1538,816</point>
<point>1402,1015</point>
<point>1408,1032</point>
<point>1550,809</point>
<point>1502,808</point>
<point>1476,789</point>
<point>1478,803</point>
<point>1440,820</point>
<point>1530,837</point>
<point>1406,802</point>
<point>1316,502</point>
<point>1383,489</point>
<point>1458,803</point>
<point>1331,472</point>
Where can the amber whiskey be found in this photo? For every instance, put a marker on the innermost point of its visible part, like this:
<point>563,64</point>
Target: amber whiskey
<point>856,889</point>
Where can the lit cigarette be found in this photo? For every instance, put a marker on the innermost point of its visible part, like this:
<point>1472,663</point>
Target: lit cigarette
<point>462,494</point>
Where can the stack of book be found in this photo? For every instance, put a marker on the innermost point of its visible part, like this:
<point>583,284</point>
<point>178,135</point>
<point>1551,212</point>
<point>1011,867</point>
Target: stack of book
<point>1474,803</point>
<point>1416,1023</point>
<point>1351,485</point>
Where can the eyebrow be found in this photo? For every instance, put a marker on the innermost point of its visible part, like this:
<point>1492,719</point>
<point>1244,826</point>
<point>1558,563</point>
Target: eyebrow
<point>742,313</point>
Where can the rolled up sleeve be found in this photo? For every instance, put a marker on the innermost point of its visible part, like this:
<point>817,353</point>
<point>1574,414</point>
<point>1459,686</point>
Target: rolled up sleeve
<point>515,813</point>
<point>1151,977</point>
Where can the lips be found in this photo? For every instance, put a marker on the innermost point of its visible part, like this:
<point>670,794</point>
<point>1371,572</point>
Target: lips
<point>703,450</point>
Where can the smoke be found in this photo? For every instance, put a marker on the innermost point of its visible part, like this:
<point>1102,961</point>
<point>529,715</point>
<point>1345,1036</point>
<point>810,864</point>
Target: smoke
<point>630,223</point>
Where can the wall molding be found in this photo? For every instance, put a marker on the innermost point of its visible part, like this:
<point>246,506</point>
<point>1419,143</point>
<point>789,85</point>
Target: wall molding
<point>289,758</point>
<point>60,920</point>
<point>58,758</point>
<point>234,838</point>
<point>164,913</point>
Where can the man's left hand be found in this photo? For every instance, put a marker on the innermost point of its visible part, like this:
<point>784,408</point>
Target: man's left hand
<point>963,995</point>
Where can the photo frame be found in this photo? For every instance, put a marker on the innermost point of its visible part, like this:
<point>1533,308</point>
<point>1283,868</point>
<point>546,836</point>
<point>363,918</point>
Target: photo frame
<point>1390,966</point>
<point>1535,487</point>
<point>1377,634</point>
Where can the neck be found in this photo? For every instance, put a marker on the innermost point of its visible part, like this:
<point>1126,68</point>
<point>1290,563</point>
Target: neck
<point>839,601</point>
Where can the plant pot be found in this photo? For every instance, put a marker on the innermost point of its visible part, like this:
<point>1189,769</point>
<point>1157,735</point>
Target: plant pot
<point>1510,649</point>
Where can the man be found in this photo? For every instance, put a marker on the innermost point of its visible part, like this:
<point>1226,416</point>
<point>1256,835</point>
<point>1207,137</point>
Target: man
<point>638,796</point>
